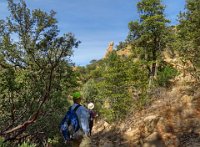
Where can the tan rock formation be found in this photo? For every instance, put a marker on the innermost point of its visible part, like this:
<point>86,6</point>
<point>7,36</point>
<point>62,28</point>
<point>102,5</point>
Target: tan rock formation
<point>123,52</point>
<point>109,49</point>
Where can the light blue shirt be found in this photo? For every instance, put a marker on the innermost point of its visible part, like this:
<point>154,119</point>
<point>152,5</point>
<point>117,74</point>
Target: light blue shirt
<point>83,116</point>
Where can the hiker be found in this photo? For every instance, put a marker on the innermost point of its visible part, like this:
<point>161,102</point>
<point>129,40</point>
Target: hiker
<point>79,137</point>
<point>92,116</point>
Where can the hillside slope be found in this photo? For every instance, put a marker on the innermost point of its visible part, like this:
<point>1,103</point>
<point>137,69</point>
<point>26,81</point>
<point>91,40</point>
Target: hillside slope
<point>171,120</point>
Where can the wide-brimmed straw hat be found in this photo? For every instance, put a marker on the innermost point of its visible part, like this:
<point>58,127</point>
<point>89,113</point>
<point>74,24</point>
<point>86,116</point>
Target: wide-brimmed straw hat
<point>90,106</point>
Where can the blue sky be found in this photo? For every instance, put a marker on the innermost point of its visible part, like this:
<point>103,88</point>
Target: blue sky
<point>95,22</point>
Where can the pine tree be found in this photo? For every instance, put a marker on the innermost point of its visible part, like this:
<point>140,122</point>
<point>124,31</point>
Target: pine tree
<point>149,32</point>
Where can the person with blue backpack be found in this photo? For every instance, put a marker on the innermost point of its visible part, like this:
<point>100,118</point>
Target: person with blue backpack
<point>75,125</point>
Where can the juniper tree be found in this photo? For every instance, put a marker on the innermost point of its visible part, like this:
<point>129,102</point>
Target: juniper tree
<point>35,71</point>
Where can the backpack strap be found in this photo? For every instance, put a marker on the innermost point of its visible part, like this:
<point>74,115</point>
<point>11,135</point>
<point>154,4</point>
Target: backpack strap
<point>74,110</point>
<point>76,107</point>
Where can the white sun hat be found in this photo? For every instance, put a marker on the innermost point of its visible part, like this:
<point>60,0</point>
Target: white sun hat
<point>90,106</point>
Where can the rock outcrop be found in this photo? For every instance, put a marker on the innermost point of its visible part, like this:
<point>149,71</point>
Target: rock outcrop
<point>123,52</point>
<point>109,49</point>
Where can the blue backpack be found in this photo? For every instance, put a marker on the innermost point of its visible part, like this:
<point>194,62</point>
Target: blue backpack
<point>70,124</point>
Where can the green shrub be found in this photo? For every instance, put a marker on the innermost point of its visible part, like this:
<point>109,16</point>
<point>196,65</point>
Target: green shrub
<point>4,144</point>
<point>27,144</point>
<point>165,73</point>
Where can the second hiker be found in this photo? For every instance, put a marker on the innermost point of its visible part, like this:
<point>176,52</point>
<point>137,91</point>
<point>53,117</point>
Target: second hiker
<point>92,116</point>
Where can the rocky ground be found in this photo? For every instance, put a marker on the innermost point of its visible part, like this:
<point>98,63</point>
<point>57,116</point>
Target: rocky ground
<point>171,120</point>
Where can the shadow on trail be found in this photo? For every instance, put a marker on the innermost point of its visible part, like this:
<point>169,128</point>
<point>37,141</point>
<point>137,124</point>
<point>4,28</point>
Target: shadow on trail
<point>111,138</point>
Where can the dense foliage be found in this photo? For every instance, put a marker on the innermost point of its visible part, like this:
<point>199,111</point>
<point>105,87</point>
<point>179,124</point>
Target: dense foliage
<point>188,38</point>
<point>113,90</point>
<point>35,74</point>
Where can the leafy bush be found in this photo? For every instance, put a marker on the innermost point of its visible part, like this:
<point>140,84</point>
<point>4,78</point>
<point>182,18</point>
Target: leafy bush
<point>165,73</point>
<point>8,144</point>
<point>2,144</point>
<point>27,144</point>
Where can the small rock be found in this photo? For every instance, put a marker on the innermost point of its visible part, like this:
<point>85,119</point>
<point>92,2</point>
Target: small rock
<point>154,136</point>
<point>150,118</point>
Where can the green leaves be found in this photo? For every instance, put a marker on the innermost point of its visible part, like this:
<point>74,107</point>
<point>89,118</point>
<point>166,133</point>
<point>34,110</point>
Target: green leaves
<point>188,36</point>
<point>114,89</point>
